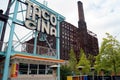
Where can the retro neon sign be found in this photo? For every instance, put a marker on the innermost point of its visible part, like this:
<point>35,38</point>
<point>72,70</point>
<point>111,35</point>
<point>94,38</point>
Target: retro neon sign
<point>40,19</point>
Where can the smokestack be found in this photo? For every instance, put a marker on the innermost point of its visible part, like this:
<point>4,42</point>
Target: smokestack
<point>81,22</point>
<point>80,11</point>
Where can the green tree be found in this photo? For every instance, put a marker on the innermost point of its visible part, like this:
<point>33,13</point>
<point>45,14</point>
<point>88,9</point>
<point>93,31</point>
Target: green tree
<point>84,62</point>
<point>91,58</point>
<point>65,71</point>
<point>108,57</point>
<point>72,61</point>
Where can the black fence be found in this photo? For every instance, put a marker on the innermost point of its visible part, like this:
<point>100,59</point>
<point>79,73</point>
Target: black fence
<point>101,78</point>
<point>93,77</point>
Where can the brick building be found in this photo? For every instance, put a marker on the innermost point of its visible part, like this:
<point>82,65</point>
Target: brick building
<point>73,37</point>
<point>77,37</point>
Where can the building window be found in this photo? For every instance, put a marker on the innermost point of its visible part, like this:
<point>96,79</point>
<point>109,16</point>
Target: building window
<point>29,69</point>
<point>62,36</point>
<point>23,68</point>
<point>41,69</point>
<point>63,42</point>
<point>33,69</point>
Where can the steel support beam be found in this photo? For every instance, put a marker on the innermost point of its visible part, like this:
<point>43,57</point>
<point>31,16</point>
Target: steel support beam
<point>58,46</point>
<point>7,58</point>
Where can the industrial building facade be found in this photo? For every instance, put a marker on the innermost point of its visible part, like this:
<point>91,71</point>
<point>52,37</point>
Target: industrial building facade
<point>77,37</point>
<point>73,37</point>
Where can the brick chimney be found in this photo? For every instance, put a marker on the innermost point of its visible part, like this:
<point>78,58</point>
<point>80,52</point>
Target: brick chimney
<point>80,11</point>
<point>81,21</point>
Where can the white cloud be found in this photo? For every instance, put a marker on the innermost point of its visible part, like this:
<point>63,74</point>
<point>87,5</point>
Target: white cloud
<point>104,19</point>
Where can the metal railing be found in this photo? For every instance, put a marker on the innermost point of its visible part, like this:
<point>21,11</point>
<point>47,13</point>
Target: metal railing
<point>40,50</point>
<point>28,48</point>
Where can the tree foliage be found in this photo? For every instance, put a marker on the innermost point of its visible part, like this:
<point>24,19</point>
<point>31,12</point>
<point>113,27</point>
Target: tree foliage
<point>91,58</point>
<point>65,71</point>
<point>72,61</point>
<point>108,57</point>
<point>84,62</point>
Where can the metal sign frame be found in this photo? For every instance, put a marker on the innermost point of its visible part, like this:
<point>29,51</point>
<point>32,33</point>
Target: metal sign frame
<point>15,21</point>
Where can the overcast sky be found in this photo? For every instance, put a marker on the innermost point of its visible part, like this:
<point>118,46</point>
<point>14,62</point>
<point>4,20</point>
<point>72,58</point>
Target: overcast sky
<point>101,16</point>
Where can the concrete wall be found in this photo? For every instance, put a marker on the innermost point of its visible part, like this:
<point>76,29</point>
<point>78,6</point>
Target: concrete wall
<point>34,77</point>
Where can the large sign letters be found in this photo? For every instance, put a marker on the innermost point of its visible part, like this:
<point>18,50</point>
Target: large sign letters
<point>40,19</point>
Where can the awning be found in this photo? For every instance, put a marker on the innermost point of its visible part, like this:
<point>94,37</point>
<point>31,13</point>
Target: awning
<point>36,58</point>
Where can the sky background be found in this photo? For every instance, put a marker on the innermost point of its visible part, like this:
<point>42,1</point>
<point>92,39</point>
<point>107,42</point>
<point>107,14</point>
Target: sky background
<point>101,16</point>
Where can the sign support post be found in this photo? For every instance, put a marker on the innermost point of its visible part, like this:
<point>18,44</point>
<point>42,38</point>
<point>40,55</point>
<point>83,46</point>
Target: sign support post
<point>35,42</point>
<point>58,46</point>
<point>7,58</point>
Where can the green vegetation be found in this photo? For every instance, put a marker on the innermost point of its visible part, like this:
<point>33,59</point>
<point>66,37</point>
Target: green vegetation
<point>91,59</point>
<point>65,71</point>
<point>72,61</point>
<point>107,59</point>
<point>84,62</point>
